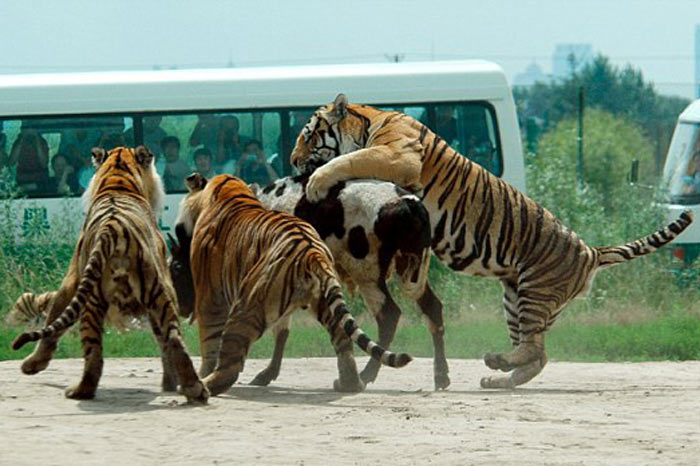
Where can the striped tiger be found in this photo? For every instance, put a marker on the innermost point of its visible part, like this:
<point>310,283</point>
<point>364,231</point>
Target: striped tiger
<point>119,262</point>
<point>249,269</point>
<point>481,225</point>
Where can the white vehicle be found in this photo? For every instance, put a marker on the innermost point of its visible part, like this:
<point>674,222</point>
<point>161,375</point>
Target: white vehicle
<point>682,179</point>
<point>242,121</point>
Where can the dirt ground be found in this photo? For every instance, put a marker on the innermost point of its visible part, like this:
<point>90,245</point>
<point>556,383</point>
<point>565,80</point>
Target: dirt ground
<point>628,413</point>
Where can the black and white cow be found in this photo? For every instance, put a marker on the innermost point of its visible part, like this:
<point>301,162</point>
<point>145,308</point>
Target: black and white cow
<point>373,228</point>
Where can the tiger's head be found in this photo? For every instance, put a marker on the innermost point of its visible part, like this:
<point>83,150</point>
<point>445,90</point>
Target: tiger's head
<point>331,132</point>
<point>124,169</point>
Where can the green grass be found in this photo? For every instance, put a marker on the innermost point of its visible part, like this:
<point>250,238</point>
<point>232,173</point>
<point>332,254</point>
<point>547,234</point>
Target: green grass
<point>674,337</point>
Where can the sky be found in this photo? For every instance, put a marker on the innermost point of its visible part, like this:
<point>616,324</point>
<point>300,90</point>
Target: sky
<point>655,36</point>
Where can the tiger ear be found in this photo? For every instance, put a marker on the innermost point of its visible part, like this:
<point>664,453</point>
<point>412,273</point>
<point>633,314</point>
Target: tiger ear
<point>195,182</point>
<point>99,155</point>
<point>255,188</point>
<point>340,106</point>
<point>143,156</point>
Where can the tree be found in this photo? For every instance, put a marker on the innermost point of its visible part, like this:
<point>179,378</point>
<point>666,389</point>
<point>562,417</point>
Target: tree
<point>621,92</point>
<point>612,143</point>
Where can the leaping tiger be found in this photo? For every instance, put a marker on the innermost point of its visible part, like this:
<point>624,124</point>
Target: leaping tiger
<point>481,225</point>
<point>245,268</point>
<point>119,264</point>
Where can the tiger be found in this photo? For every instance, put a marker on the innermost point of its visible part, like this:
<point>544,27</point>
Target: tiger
<point>249,268</point>
<point>119,264</point>
<point>481,225</point>
<point>371,228</point>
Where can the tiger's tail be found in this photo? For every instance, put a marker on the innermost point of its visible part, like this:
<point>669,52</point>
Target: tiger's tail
<point>30,308</point>
<point>341,317</point>
<point>613,255</point>
<point>91,275</point>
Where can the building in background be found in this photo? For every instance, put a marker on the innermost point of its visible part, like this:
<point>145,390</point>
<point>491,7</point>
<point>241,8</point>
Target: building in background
<point>569,58</point>
<point>532,74</point>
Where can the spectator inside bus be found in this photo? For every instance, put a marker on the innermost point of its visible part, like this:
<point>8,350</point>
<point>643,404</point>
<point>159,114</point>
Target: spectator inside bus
<point>203,162</point>
<point>153,134</point>
<point>77,141</point>
<point>446,124</point>
<point>205,132</point>
<point>30,153</point>
<point>253,167</point>
<point>85,170</point>
<point>65,180</point>
<point>229,144</point>
<point>176,170</point>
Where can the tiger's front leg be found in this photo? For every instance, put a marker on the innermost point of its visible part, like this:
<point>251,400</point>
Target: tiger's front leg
<point>401,167</point>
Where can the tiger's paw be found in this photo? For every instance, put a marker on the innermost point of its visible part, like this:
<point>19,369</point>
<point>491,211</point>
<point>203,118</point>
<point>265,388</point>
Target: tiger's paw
<point>318,186</point>
<point>218,382</point>
<point>497,382</point>
<point>348,386</point>
<point>33,365</point>
<point>197,393</point>
<point>497,361</point>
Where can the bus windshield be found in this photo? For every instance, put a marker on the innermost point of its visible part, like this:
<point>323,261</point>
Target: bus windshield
<point>682,172</point>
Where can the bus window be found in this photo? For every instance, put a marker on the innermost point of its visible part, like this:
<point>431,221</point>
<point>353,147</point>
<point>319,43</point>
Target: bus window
<point>682,173</point>
<point>53,157</point>
<point>419,113</point>
<point>471,130</point>
<point>239,143</point>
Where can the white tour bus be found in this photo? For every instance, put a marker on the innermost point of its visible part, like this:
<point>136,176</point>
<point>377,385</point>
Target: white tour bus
<point>682,179</point>
<point>242,121</point>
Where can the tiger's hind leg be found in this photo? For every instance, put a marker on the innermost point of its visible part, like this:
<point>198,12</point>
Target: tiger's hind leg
<point>211,319</point>
<point>527,322</point>
<point>91,327</point>
<point>349,380</point>
<point>177,365</point>
<point>271,372</point>
<point>169,380</point>
<point>387,313</point>
<point>245,325</point>
<point>432,309</point>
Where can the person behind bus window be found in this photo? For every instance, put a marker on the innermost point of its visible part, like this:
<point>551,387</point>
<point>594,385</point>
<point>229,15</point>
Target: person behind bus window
<point>153,134</point>
<point>205,132</point>
<point>253,167</point>
<point>203,162</point>
<point>691,180</point>
<point>446,123</point>
<point>85,169</point>
<point>64,182</point>
<point>77,141</point>
<point>30,153</point>
<point>229,143</point>
<point>176,170</point>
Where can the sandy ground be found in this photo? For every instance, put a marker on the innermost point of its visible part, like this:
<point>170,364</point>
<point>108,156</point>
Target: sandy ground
<point>629,413</point>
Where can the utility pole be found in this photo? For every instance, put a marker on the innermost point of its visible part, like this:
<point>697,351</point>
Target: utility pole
<point>579,159</point>
<point>396,58</point>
